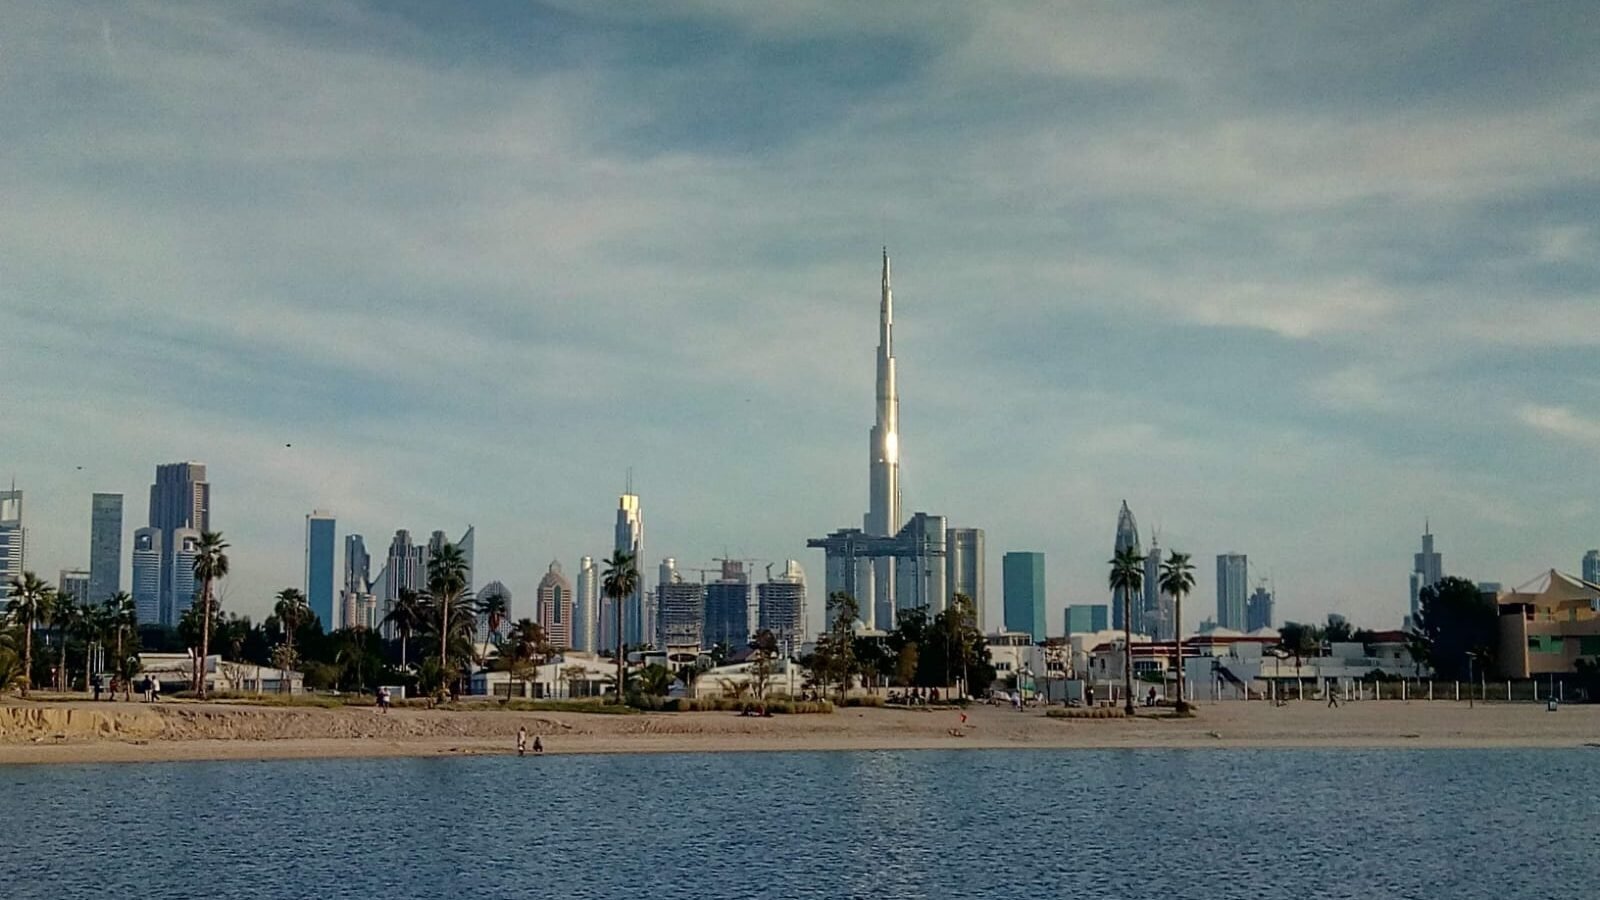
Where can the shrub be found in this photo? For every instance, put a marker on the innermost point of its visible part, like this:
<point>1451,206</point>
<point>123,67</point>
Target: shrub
<point>872,700</point>
<point>1104,712</point>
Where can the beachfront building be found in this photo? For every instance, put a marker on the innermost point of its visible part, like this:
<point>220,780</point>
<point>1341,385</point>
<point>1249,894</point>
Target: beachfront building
<point>570,675</point>
<point>1548,624</point>
<point>176,671</point>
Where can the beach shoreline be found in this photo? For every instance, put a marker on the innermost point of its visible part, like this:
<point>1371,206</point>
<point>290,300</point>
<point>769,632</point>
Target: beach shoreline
<point>82,732</point>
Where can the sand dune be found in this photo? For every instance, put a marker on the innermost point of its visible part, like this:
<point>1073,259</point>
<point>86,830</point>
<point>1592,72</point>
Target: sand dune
<point>53,732</point>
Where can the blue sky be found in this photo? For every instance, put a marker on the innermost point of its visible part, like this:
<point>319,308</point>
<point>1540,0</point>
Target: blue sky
<point>1286,278</point>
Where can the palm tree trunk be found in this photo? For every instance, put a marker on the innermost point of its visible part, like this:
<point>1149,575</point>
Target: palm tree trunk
<point>621,656</point>
<point>1127,649</point>
<point>27,656</point>
<point>1177,637</point>
<point>444,638</point>
<point>61,671</point>
<point>405,638</point>
<point>205,640</point>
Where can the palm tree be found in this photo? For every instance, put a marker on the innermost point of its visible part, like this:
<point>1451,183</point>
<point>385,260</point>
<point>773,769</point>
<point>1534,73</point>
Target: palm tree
<point>618,582</point>
<point>123,617</point>
<point>1127,576</point>
<point>525,644</point>
<point>292,611</point>
<point>210,566</point>
<point>66,616</point>
<point>405,617</point>
<point>447,584</point>
<point>492,603</point>
<point>31,602</point>
<point>92,625</point>
<point>1177,579</point>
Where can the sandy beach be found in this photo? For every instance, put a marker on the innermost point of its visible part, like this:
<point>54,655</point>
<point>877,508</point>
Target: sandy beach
<point>81,732</point>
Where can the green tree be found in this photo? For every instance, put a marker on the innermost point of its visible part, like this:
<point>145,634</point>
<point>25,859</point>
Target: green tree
<point>1338,630</point>
<point>447,585</point>
<point>31,602</point>
<point>91,626</point>
<point>493,604</point>
<point>1301,641</point>
<point>522,651</point>
<point>835,659</point>
<point>764,654</point>
<point>292,611</point>
<point>1127,577</point>
<point>405,617</point>
<point>1177,580</point>
<point>123,618</point>
<point>12,674</point>
<point>66,616</point>
<point>655,680</point>
<point>210,566</point>
<point>1455,620</point>
<point>618,582</point>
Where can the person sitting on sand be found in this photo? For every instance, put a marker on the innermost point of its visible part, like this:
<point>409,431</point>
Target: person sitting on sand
<point>538,745</point>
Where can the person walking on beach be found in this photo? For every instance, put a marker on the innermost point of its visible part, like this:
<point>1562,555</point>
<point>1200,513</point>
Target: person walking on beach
<point>1333,695</point>
<point>383,699</point>
<point>522,741</point>
<point>155,689</point>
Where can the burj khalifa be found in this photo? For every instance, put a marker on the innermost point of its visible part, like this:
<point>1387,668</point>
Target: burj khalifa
<point>883,457</point>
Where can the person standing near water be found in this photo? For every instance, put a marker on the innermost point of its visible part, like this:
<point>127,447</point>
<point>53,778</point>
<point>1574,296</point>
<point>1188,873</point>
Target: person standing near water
<point>522,741</point>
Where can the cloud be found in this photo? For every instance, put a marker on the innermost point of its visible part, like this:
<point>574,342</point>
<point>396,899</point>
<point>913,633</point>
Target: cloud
<point>1242,268</point>
<point>1563,423</point>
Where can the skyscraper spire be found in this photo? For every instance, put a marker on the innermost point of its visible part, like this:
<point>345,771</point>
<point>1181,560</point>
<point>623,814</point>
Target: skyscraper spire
<point>883,456</point>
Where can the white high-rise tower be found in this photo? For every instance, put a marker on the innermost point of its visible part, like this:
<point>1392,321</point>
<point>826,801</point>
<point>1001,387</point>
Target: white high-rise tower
<point>883,509</point>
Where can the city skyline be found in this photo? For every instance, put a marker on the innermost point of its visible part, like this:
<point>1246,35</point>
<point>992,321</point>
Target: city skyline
<point>1373,305</point>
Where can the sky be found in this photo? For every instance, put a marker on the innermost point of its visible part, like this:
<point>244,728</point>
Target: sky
<point>1288,278</point>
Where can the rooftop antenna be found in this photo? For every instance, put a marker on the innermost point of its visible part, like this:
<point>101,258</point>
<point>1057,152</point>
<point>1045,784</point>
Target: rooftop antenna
<point>630,480</point>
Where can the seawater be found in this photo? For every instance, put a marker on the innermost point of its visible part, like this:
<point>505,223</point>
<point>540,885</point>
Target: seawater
<point>1006,824</point>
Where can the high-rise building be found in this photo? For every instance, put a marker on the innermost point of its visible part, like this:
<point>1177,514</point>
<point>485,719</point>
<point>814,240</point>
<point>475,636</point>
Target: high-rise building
<point>321,539</point>
<point>964,568</point>
<point>1233,576</point>
<point>919,572</point>
<point>727,612</point>
<point>555,607</point>
<point>180,499</point>
<point>781,605</point>
<point>1258,609</point>
<point>1427,568</point>
<point>585,622</point>
<point>629,536</point>
<point>147,575</point>
<point>1087,618</point>
<point>883,465</point>
<point>681,606</point>
<point>1155,614</point>
<point>405,567</point>
<point>356,596</point>
<point>181,582</point>
<point>1127,539</point>
<point>1591,567</point>
<point>1022,578</point>
<point>74,584</point>
<point>105,546</point>
<point>13,539</point>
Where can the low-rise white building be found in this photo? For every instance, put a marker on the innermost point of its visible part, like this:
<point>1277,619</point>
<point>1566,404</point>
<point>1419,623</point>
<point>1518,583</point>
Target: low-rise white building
<point>176,671</point>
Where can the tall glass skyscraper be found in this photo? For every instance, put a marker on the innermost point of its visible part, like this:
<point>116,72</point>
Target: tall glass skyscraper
<point>585,623</point>
<point>147,575</point>
<point>1127,539</point>
<point>1022,577</point>
<point>630,540</point>
<point>180,583</point>
<point>13,539</point>
<point>180,499</point>
<point>964,567</point>
<point>1233,587</point>
<point>320,542</point>
<point>105,546</point>
<point>727,610</point>
<point>554,607</point>
<point>1591,567</point>
<point>781,605</point>
<point>1427,568</point>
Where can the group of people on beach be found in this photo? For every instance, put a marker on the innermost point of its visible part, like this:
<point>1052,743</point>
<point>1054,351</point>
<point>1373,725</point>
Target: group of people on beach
<point>522,742</point>
<point>915,696</point>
